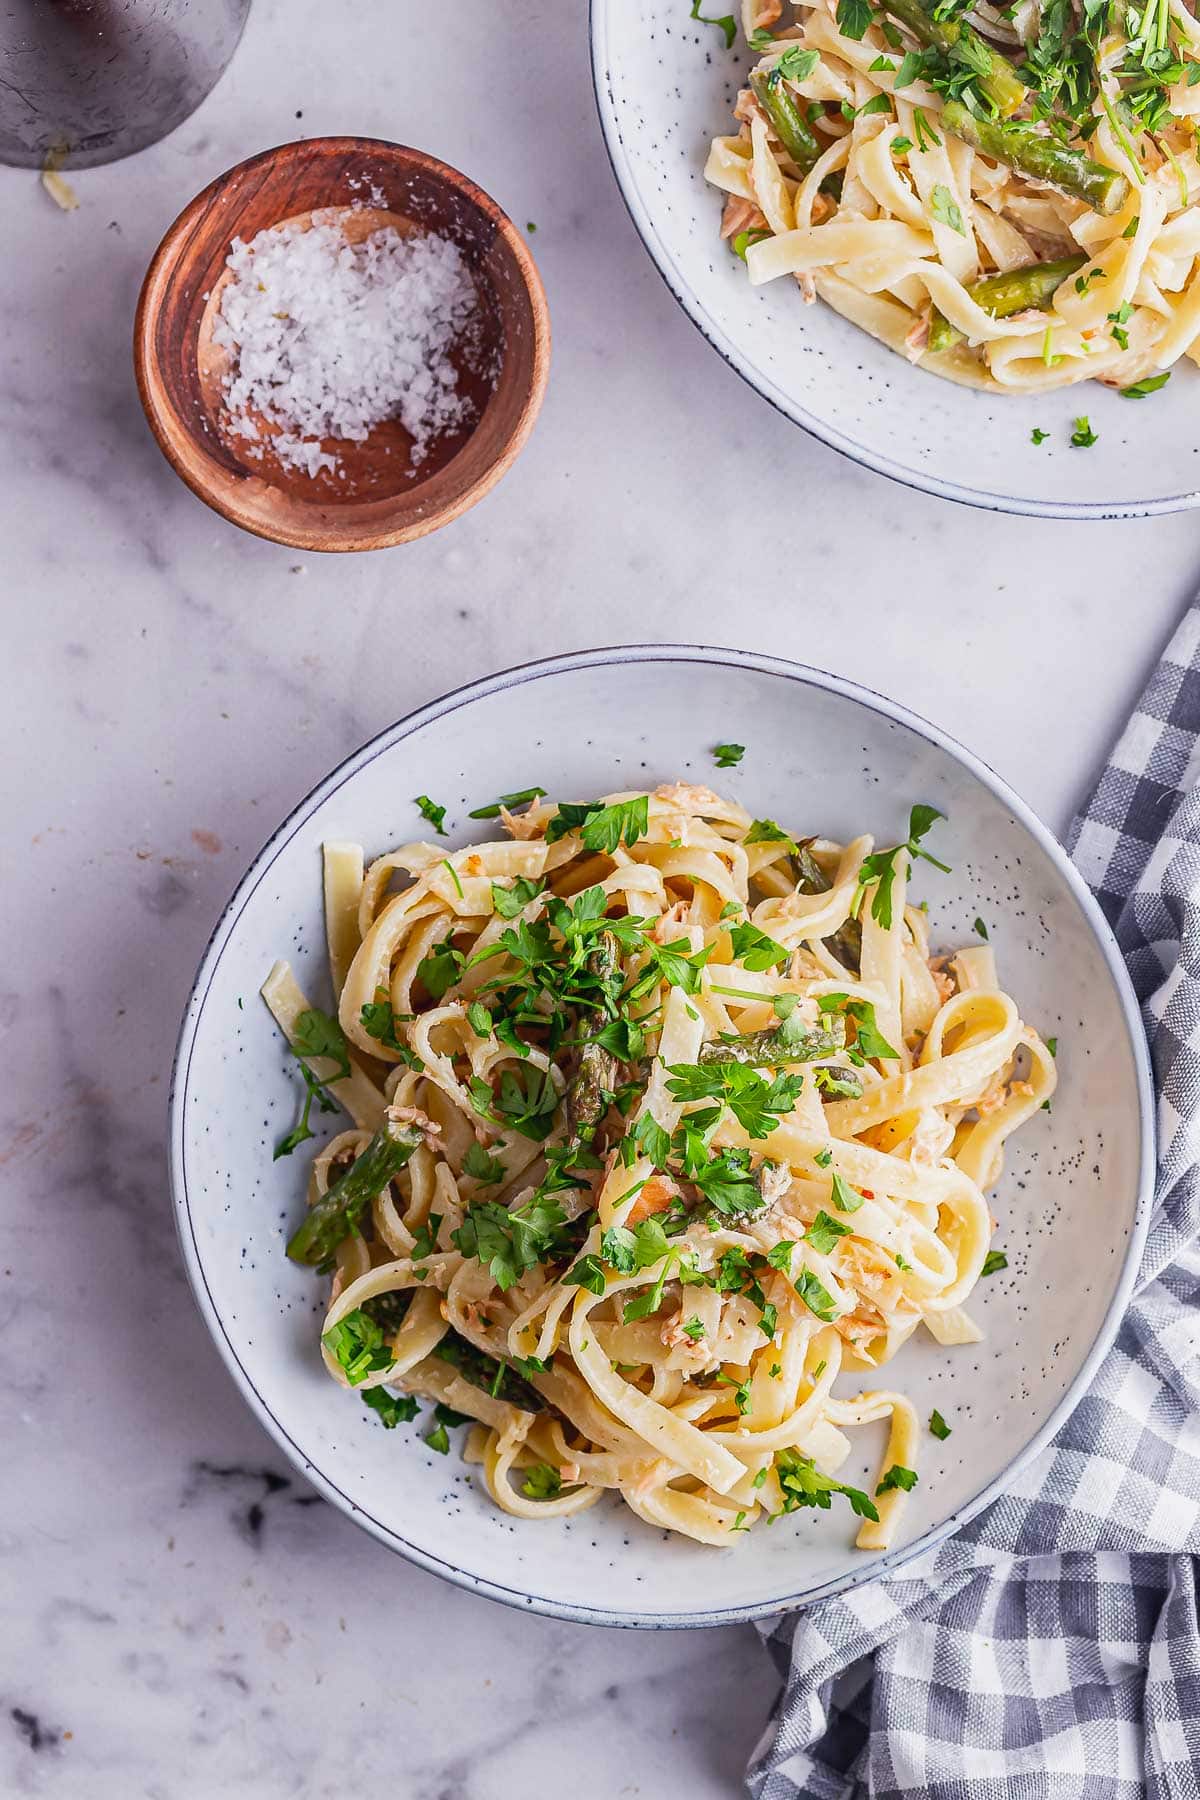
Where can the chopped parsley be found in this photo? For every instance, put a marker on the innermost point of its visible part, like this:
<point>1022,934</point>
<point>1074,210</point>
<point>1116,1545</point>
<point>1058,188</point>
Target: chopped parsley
<point>429,809</point>
<point>511,1240</point>
<point>944,208</point>
<point>844,1197</point>
<point>727,756</point>
<point>853,18</point>
<point>726,23</point>
<point>993,1262</point>
<point>315,1033</point>
<point>1083,437</point>
<point>816,1296</point>
<point>602,828</point>
<point>359,1346</point>
<point>869,1041</point>
<point>981,930</point>
<point>897,1478</point>
<point>482,1167</point>
<point>393,1409</point>
<point>542,1482</point>
<point>797,64</point>
<point>1150,385</point>
<point>824,1233</point>
<point>754,949</point>
<point>1038,435</point>
<point>938,1425</point>
<point>802,1484</point>
<point>880,867</point>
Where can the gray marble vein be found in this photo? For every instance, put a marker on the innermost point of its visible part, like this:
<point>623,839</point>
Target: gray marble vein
<point>181,1618</point>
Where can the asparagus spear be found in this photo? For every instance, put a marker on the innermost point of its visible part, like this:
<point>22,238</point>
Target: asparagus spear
<point>838,1083</point>
<point>1023,147</point>
<point>483,1371</point>
<point>791,1041</point>
<point>998,78</point>
<point>336,1214</point>
<point>787,121</point>
<point>811,878</point>
<point>592,1084</point>
<point>1003,295</point>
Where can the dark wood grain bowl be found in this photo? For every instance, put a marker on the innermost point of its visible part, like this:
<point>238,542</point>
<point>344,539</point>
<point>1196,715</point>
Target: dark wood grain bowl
<point>376,497</point>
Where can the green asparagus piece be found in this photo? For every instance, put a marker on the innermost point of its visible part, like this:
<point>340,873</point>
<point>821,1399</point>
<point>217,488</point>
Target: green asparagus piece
<point>791,1041</point>
<point>1003,295</point>
<point>483,1371</point>
<point>591,1086</point>
<point>336,1214</point>
<point>838,1083</point>
<point>811,878</point>
<point>1023,147</point>
<point>998,78</point>
<point>787,121</point>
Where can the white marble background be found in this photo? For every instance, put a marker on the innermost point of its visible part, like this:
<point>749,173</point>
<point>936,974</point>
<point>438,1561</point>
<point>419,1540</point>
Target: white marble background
<point>179,1618</point>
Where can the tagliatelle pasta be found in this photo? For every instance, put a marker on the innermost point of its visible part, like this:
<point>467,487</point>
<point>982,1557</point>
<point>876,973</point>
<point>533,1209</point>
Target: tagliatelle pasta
<point>665,1122</point>
<point>1005,198</point>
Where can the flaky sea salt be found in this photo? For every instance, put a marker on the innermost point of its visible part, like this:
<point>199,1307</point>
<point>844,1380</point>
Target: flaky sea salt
<point>331,338</point>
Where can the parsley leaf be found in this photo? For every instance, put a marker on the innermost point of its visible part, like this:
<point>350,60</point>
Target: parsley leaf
<point>853,18</point>
<point>602,828</point>
<point>509,901</point>
<point>824,1233</point>
<point>440,970</point>
<point>755,949</point>
<point>511,1240</point>
<point>756,1104</point>
<point>944,208</point>
<point>798,64</point>
<point>938,1425</point>
<point>766,831</point>
<point>1038,435</point>
<point>316,1033</point>
<point>393,1409</point>
<point>802,1484</point>
<point>359,1346</point>
<point>844,1197</point>
<point>869,1040</point>
<point>482,1167</point>
<point>587,1273</point>
<point>880,867</point>
<point>1150,385</point>
<point>993,1262</point>
<point>1083,437</point>
<point>897,1477</point>
<point>726,23</point>
<point>727,756</point>
<point>816,1296</point>
<point>542,1482</point>
<point>981,930</point>
<point>429,809</point>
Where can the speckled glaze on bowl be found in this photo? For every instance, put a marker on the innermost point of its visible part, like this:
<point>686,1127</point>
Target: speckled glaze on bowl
<point>665,85</point>
<point>1072,1206</point>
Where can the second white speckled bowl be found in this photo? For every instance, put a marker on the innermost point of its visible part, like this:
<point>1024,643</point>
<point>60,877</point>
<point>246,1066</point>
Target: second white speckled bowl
<point>822,756</point>
<point>665,86</point>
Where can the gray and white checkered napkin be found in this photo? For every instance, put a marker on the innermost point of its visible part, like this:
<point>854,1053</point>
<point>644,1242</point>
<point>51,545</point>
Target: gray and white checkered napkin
<point>1052,1647</point>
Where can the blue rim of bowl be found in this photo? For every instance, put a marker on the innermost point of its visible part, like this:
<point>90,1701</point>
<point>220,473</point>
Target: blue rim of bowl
<point>783,403</point>
<point>548,668</point>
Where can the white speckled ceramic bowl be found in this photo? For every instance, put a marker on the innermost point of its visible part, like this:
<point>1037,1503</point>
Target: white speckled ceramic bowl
<point>665,85</point>
<point>824,756</point>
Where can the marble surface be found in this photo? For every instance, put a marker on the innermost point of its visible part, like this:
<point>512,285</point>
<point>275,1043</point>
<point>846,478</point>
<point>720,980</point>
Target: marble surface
<point>180,1619</point>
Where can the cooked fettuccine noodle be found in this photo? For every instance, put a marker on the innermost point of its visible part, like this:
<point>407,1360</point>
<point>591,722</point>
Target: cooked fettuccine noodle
<point>1006,198</point>
<point>668,1131</point>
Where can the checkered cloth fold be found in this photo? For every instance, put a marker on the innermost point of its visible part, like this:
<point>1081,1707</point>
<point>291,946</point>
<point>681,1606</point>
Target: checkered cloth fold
<point>1052,1647</point>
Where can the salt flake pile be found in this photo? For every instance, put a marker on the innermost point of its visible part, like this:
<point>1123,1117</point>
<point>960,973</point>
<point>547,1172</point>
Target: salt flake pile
<point>332,338</point>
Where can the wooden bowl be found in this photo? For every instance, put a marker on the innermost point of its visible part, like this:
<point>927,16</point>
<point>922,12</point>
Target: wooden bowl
<point>376,497</point>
